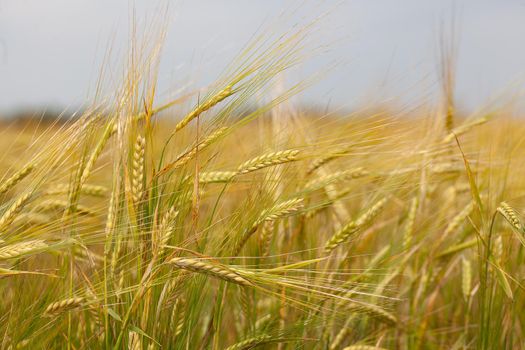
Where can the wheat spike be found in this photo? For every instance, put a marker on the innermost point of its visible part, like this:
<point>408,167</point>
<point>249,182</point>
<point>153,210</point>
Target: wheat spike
<point>215,270</point>
<point>64,305</point>
<point>221,95</point>
<point>268,159</point>
<point>16,178</point>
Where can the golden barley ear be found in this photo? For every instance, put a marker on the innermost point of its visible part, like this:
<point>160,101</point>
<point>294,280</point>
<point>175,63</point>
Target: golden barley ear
<point>138,169</point>
<point>267,160</point>
<point>215,270</point>
<point>354,226</point>
<point>61,306</point>
<point>16,178</point>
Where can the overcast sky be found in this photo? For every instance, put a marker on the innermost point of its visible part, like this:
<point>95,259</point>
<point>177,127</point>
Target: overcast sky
<point>50,51</point>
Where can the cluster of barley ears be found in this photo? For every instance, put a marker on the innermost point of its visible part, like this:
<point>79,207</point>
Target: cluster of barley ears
<point>125,229</point>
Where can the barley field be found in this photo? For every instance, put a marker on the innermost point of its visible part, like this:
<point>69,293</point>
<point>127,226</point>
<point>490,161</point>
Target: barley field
<point>234,220</point>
